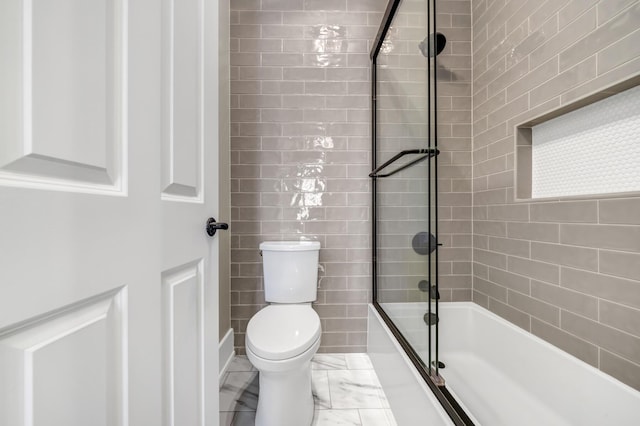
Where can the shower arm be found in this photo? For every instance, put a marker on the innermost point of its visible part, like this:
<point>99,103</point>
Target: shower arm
<point>428,153</point>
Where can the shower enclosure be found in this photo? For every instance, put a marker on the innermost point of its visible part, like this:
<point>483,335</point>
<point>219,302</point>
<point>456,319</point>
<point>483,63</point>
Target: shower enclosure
<point>534,346</point>
<point>405,186</point>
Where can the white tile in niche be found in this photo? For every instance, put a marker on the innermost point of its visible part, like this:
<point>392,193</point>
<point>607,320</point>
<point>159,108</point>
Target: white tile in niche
<point>592,150</point>
<point>237,418</point>
<point>377,417</point>
<point>358,362</point>
<point>239,392</point>
<point>320,389</point>
<point>336,417</point>
<point>356,389</point>
<point>328,362</point>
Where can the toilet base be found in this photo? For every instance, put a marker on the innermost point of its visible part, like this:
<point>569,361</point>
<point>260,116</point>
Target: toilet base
<point>285,397</point>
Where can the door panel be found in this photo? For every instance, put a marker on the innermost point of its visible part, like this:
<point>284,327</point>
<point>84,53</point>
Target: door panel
<point>189,197</point>
<point>182,100</point>
<point>107,278</point>
<point>62,117</point>
<point>68,367</point>
<point>183,336</point>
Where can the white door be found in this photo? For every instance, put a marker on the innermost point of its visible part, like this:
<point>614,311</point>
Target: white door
<point>189,198</point>
<point>108,300</point>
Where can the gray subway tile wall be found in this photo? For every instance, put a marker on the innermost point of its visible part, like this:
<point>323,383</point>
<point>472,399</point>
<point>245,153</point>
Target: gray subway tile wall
<point>566,270</point>
<point>403,120</point>
<point>454,121</point>
<point>300,152</point>
<point>300,146</point>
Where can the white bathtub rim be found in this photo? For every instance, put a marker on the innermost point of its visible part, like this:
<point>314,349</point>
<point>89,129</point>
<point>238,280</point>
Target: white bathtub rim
<point>471,319</point>
<point>419,379</point>
<point>483,311</point>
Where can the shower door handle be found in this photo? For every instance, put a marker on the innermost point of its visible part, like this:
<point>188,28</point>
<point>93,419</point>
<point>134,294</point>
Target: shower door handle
<point>427,153</point>
<point>213,226</point>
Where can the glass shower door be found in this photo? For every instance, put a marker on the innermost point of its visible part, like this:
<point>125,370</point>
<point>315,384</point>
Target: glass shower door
<point>405,187</point>
<point>404,180</point>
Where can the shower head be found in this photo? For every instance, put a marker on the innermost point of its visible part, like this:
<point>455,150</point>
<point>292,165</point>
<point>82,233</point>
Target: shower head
<point>432,43</point>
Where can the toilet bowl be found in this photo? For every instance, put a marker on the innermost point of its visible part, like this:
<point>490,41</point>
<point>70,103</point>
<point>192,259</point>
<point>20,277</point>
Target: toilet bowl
<point>282,338</point>
<point>280,342</point>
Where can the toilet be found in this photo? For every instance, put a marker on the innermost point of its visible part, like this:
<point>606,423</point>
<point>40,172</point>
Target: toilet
<point>282,338</point>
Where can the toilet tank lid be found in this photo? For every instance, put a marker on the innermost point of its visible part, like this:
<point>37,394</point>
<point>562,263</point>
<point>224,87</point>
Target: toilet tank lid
<point>289,245</point>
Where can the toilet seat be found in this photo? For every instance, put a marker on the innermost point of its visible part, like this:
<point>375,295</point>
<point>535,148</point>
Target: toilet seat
<point>279,332</point>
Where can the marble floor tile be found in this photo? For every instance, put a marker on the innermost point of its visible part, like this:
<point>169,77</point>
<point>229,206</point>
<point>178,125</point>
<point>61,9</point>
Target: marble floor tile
<point>239,392</point>
<point>320,389</point>
<point>356,389</point>
<point>328,362</point>
<point>377,417</point>
<point>237,418</point>
<point>240,363</point>
<point>358,362</point>
<point>346,391</point>
<point>336,417</point>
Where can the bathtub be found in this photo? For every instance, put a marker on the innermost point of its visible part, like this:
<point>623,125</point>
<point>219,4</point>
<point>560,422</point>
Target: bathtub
<point>503,375</point>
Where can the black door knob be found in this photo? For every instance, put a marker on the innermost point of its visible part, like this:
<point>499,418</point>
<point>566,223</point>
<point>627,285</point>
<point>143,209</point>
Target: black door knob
<point>213,226</point>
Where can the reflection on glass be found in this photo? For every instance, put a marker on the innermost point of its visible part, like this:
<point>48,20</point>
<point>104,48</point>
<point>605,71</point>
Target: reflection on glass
<point>405,211</point>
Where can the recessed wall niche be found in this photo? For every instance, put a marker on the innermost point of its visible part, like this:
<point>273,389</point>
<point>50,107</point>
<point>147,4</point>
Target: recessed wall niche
<point>590,147</point>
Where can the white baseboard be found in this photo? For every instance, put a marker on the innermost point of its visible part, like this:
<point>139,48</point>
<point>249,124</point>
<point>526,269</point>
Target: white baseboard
<point>226,353</point>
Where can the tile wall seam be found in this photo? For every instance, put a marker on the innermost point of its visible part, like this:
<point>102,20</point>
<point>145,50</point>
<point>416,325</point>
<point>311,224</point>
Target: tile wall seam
<point>559,327</point>
<point>624,10</point>
<point>568,332</point>
<point>473,120</point>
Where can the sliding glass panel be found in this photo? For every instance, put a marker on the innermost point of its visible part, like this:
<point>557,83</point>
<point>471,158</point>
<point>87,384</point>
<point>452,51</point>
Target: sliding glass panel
<point>405,227</point>
<point>430,47</point>
<point>405,180</point>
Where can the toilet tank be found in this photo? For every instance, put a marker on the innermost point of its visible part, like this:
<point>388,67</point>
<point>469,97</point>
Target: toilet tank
<point>290,271</point>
